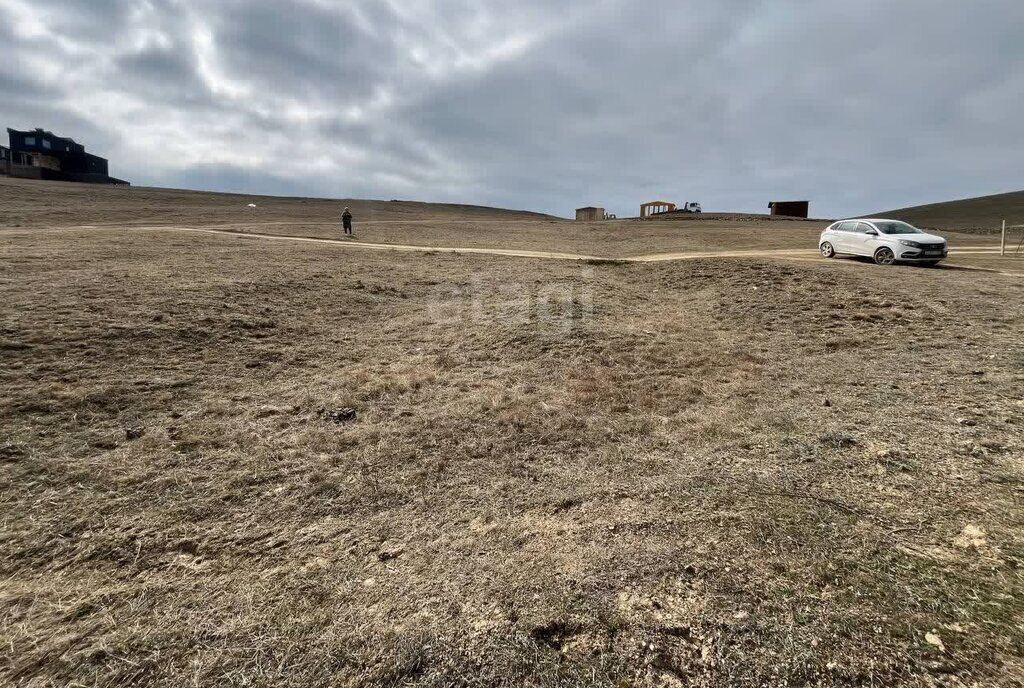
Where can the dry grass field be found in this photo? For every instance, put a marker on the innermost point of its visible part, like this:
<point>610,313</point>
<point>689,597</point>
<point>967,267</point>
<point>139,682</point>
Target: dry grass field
<point>49,205</point>
<point>983,214</point>
<point>233,461</point>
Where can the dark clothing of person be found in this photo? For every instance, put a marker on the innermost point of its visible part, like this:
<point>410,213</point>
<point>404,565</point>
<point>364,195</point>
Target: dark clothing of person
<point>346,222</point>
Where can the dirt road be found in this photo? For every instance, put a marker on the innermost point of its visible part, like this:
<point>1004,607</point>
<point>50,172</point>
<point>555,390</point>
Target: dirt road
<point>370,246</point>
<point>784,254</point>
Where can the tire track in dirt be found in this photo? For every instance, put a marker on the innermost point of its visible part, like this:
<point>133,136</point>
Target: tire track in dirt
<point>407,248</point>
<point>520,253</point>
<point>782,254</point>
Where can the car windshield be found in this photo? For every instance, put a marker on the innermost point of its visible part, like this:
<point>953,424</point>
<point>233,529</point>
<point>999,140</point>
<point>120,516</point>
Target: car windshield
<point>896,228</point>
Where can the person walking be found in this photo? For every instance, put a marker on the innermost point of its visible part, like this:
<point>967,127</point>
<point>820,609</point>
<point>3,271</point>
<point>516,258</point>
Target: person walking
<point>346,222</point>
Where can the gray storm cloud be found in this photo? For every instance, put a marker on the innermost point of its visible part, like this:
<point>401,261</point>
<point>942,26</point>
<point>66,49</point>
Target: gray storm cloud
<point>856,106</point>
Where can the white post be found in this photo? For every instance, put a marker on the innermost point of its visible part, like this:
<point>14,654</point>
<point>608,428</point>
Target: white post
<point>1002,243</point>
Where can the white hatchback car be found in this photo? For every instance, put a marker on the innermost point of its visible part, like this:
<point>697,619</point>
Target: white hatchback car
<point>887,241</point>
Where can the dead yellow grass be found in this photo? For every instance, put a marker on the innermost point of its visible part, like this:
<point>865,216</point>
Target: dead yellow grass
<point>728,472</point>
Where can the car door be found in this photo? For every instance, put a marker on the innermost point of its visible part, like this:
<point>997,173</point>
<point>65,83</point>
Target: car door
<point>863,240</point>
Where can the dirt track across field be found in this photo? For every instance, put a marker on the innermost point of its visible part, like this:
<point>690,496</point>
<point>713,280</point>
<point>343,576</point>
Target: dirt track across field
<point>786,254</point>
<point>373,246</point>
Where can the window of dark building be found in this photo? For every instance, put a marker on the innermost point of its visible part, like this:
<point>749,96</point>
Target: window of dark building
<point>30,140</point>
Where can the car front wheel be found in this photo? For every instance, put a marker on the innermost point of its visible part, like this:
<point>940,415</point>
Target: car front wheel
<point>885,256</point>
<point>827,250</point>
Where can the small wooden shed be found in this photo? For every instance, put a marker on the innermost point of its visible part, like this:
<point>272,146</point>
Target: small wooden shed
<point>589,214</point>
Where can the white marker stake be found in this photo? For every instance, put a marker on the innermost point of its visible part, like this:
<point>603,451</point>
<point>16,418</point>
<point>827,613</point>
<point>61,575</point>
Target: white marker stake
<point>1002,243</point>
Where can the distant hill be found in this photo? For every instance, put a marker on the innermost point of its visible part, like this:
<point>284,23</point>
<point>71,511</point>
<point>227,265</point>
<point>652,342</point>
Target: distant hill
<point>33,203</point>
<point>982,213</point>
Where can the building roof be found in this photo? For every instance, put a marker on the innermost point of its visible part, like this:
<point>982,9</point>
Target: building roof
<point>66,141</point>
<point>46,142</point>
<point>40,132</point>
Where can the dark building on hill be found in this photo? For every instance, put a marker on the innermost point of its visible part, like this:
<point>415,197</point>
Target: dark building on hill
<point>9,159</point>
<point>790,208</point>
<point>40,154</point>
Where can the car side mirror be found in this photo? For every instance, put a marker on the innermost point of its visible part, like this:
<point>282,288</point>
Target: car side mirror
<point>872,232</point>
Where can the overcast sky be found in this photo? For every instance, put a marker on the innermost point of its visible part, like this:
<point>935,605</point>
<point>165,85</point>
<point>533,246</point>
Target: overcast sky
<point>857,105</point>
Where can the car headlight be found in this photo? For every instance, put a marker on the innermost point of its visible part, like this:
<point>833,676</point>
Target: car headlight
<point>911,244</point>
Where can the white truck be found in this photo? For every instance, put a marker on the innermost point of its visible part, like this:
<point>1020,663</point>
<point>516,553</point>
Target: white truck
<point>690,208</point>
